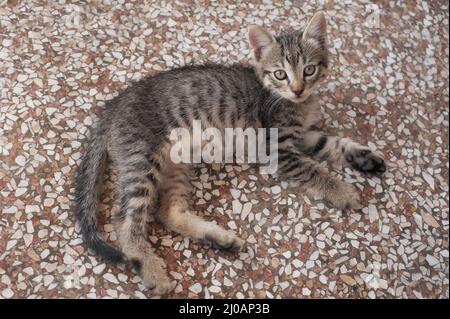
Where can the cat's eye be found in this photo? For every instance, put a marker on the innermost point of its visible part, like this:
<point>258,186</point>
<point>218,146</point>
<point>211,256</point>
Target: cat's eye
<point>309,70</point>
<point>280,75</point>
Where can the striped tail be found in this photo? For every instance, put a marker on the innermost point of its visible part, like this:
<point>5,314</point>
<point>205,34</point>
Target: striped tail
<point>88,181</point>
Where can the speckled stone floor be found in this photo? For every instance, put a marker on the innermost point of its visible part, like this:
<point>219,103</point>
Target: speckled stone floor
<point>59,62</point>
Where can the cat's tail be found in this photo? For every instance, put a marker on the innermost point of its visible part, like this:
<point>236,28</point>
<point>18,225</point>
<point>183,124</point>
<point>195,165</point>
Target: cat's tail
<point>87,189</point>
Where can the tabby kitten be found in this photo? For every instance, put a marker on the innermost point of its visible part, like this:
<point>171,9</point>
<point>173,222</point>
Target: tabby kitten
<point>134,134</point>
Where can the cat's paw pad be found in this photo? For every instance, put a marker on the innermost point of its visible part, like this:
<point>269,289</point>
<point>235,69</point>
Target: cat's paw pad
<point>365,160</point>
<point>225,241</point>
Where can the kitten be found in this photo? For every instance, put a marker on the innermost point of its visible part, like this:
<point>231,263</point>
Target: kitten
<point>134,132</point>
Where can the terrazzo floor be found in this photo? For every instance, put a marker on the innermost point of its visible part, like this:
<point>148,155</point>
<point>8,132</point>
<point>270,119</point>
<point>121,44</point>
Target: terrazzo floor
<point>388,86</point>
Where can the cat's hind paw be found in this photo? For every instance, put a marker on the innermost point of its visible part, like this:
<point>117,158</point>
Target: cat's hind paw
<point>224,240</point>
<point>344,196</point>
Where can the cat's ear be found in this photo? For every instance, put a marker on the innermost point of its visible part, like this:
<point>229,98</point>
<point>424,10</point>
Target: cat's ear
<point>316,28</point>
<point>260,39</point>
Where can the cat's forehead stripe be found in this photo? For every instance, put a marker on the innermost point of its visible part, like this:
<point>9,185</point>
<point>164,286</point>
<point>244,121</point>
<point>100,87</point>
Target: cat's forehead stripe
<point>291,47</point>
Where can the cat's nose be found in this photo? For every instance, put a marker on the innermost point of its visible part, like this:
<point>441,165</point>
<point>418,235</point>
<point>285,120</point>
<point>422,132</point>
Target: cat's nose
<point>298,92</point>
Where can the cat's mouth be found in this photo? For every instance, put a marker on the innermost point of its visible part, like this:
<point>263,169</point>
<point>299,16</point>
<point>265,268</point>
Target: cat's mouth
<point>289,95</point>
<point>298,99</point>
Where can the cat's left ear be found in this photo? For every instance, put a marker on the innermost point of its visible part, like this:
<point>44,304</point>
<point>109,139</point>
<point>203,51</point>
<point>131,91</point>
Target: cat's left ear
<point>316,28</point>
<point>260,39</point>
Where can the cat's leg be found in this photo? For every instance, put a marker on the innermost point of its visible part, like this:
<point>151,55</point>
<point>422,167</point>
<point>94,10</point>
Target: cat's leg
<point>315,179</point>
<point>342,151</point>
<point>176,192</point>
<point>138,200</point>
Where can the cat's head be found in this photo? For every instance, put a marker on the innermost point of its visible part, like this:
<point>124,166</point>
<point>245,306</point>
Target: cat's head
<point>291,64</point>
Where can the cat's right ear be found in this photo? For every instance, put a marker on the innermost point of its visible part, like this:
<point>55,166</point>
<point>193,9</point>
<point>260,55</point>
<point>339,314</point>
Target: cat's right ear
<point>260,39</point>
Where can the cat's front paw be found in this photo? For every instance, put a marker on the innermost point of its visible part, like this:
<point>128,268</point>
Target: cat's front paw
<point>365,160</point>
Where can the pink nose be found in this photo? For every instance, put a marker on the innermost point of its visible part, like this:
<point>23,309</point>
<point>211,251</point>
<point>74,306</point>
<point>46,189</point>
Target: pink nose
<point>298,93</point>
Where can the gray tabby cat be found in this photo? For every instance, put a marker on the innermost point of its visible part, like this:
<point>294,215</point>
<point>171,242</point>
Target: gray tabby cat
<point>134,132</point>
